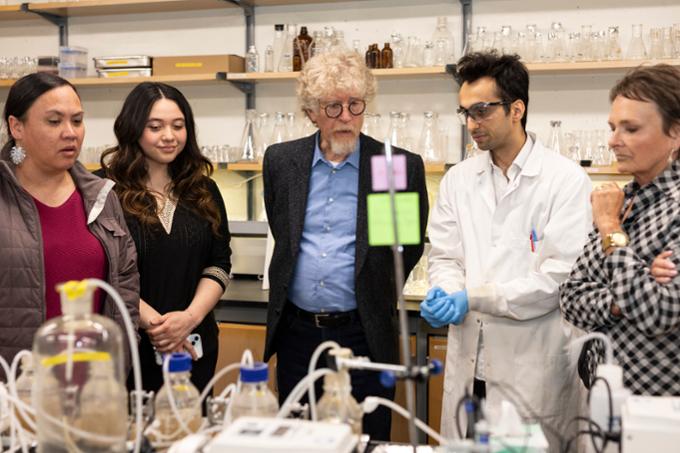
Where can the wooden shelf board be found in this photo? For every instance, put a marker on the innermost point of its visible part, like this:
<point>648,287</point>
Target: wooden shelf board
<point>113,81</point>
<point>379,73</point>
<point>257,166</point>
<point>105,7</point>
<point>291,2</point>
<point>591,67</point>
<point>12,12</point>
<point>244,166</point>
<point>611,170</point>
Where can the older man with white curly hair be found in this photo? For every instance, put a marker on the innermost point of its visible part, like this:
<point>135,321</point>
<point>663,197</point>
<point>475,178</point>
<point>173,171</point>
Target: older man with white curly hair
<point>325,281</point>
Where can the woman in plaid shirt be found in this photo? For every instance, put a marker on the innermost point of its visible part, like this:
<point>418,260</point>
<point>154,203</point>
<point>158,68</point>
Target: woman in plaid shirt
<point>611,288</point>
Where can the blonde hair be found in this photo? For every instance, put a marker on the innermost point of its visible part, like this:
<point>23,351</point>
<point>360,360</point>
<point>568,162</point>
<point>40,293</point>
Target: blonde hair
<point>326,74</point>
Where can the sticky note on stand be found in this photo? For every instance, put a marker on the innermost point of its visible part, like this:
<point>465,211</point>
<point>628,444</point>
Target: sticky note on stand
<point>380,229</point>
<point>379,172</point>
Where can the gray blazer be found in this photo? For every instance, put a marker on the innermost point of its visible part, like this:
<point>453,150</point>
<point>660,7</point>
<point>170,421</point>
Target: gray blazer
<point>286,172</point>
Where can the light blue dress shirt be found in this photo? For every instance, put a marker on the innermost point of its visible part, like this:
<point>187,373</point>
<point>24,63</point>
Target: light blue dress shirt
<point>323,279</point>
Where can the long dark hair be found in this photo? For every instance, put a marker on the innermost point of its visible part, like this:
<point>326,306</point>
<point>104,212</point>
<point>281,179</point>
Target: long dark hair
<point>126,164</point>
<point>23,94</point>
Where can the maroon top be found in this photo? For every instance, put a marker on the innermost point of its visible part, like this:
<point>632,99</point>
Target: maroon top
<point>70,250</point>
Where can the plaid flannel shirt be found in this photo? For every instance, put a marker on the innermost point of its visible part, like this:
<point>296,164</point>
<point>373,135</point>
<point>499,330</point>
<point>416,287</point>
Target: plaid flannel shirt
<point>646,338</point>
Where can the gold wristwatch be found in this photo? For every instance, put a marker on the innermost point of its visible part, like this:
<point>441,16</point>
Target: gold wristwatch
<point>615,239</point>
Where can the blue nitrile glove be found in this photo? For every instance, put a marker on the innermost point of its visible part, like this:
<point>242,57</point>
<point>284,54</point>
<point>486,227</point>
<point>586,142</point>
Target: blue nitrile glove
<point>450,309</point>
<point>434,299</point>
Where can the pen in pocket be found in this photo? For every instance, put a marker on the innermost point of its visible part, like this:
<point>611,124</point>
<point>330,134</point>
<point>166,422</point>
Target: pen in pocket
<point>532,240</point>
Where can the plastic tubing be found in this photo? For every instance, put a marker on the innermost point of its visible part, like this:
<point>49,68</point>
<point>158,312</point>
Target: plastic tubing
<point>13,388</point>
<point>217,377</point>
<point>312,365</point>
<point>299,390</point>
<point>370,400</point>
<point>134,352</point>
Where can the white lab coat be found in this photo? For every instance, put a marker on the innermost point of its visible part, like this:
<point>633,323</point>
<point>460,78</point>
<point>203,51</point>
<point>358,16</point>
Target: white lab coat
<point>486,248</point>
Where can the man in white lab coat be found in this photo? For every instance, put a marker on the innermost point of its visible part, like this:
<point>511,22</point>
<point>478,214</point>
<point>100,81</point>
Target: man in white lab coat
<point>507,227</point>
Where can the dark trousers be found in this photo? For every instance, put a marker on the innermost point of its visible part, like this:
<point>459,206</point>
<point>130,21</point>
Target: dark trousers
<point>296,340</point>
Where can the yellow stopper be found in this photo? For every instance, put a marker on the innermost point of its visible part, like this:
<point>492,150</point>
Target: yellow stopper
<point>73,289</point>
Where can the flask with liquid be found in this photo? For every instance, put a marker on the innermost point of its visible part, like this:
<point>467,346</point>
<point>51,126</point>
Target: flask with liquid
<point>79,377</point>
<point>254,399</point>
<point>186,399</point>
<point>337,405</point>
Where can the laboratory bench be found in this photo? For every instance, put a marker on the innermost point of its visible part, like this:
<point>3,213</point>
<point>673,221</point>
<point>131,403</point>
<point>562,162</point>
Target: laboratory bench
<point>242,315</point>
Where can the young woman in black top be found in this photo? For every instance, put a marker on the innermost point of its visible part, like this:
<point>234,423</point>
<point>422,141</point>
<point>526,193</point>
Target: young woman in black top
<point>177,219</point>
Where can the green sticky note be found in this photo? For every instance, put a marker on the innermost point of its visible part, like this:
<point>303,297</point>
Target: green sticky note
<point>380,229</point>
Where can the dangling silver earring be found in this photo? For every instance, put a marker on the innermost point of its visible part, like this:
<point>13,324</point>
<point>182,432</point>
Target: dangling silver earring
<point>17,154</point>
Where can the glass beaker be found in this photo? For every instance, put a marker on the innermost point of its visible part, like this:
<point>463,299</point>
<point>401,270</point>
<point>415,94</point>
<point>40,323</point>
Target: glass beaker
<point>636,48</point>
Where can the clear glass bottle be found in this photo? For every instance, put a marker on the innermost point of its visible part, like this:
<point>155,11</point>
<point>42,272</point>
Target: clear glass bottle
<point>555,142</point>
<point>337,405</point>
<point>254,399</point>
<point>428,54</point>
<point>413,57</point>
<point>286,62</point>
<point>250,139</point>
<point>69,352</point>
<point>279,43</point>
<point>636,47</point>
<point>317,43</point>
<point>186,399</point>
<point>24,385</point>
<point>398,53</point>
<point>428,145</point>
<point>443,35</point>
<point>269,59</point>
<point>372,126</point>
<point>252,60</point>
<point>613,51</point>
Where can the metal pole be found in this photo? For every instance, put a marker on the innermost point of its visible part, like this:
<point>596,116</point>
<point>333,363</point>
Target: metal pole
<point>397,250</point>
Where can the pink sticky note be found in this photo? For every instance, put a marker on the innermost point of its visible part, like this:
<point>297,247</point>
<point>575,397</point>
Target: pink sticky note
<point>379,172</point>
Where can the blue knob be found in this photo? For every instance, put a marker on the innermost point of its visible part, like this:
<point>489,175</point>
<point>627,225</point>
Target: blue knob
<point>388,379</point>
<point>436,367</point>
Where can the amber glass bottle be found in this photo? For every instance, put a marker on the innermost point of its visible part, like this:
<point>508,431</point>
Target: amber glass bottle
<point>301,48</point>
<point>386,56</point>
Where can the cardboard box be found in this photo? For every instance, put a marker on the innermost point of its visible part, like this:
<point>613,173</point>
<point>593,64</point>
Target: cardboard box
<point>197,64</point>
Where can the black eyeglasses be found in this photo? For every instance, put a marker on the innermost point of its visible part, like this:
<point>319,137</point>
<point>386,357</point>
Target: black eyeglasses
<point>478,112</point>
<point>334,109</point>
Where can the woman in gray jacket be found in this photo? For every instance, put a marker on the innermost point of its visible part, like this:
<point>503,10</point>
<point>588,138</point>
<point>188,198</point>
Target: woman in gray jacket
<point>58,222</point>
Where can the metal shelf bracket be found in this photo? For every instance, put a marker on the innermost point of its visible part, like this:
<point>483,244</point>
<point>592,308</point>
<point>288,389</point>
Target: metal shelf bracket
<point>59,21</point>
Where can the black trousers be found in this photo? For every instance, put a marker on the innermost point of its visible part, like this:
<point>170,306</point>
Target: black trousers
<point>296,340</point>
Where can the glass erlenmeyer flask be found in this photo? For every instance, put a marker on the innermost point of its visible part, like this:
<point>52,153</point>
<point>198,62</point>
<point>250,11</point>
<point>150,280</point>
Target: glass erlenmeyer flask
<point>613,51</point>
<point>443,38</point>
<point>395,133</point>
<point>428,145</point>
<point>555,142</point>
<point>250,138</point>
<point>291,126</point>
<point>279,131</point>
<point>636,48</point>
<point>263,127</point>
